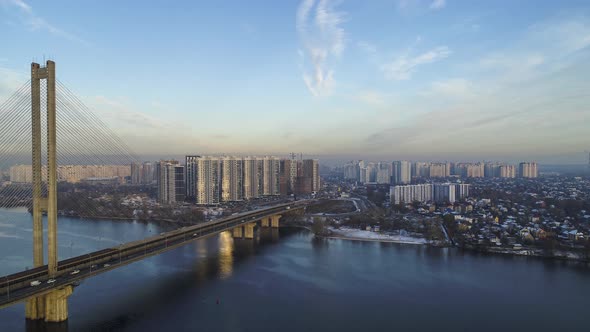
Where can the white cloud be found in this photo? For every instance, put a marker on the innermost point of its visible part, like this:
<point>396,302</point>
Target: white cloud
<point>35,23</point>
<point>543,74</point>
<point>323,40</point>
<point>403,66</point>
<point>20,4</point>
<point>567,36</point>
<point>437,4</point>
<point>544,47</point>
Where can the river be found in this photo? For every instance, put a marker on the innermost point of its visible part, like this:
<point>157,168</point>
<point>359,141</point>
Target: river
<point>287,280</point>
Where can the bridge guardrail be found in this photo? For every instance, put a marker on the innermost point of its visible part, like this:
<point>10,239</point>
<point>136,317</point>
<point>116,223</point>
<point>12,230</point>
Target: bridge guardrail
<point>129,252</point>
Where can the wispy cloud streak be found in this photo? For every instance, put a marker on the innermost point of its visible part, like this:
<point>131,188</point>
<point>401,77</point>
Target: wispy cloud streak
<point>404,66</point>
<point>36,23</point>
<point>323,39</point>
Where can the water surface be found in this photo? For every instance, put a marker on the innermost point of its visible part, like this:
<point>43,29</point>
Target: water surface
<point>289,281</point>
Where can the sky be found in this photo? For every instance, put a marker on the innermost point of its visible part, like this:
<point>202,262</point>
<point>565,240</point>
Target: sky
<point>379,79</point>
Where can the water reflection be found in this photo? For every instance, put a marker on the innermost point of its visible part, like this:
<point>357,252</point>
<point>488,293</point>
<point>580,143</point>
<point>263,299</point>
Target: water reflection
<point>41,326</point>
<point>268,235</point>
<point>226,259</point>
<point>320,243</point>
<point>272,279</point>
<point>201,247</point>
<point>274,235</point>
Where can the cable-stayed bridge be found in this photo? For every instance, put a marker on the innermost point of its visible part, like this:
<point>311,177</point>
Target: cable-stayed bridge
<point>48,137</point>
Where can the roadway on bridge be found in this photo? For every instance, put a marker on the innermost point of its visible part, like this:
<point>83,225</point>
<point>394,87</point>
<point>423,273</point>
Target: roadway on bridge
<point>17,287</point>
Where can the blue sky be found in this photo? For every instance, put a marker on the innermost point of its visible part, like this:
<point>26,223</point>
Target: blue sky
<point>382,80</point>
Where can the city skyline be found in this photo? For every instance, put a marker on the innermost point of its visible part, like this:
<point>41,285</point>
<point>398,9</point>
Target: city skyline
<point>322,77</point>
<point>224,165</point>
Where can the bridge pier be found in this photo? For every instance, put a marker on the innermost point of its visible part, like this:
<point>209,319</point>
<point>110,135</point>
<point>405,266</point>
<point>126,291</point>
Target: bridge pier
<point>265,222</point>
<point>35,308</point>
<point>274,223</point>
<point>52,307</point>
<point>237,232</point>
<point>56,305</point>
<point>244,231</point>
<point>249,230</point>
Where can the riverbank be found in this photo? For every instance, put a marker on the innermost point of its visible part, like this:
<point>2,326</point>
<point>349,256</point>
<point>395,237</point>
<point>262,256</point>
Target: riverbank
<point>351,234</point>
<point>532,252</point>
<point>360,235</point>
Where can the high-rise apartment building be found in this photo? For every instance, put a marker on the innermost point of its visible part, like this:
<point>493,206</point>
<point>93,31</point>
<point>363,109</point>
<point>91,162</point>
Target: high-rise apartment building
<point>235,178</point>
<point>270,176</point>
<point>136,169</point>
<point>288,174</point>
<point>232,179</point>
<point>384,172</point>
<point>507,171</point>
<point>24,173</point>
<point>528,170</point>
<point>308,177</point>
<point>445,192</point>
<point>439,170</point>
<point>190,167</point>
<point>251,174</point>
<point>411,193</point>
<point>72,173</point>
<point>291,167</point>
<point>363,175</point>
<point>179,183</point>
<point>421,169</point>
<point>472,170</point>
<point>448,168</point>
<point>499,170</point>
<point>208,180</point>
<point>352,171</point>
<point>491,170</point>
<point>285,180</point>
<point>299,176</point>
<point>316,185</point>
<point>370,173</point>
<point>170,182</point>
<point>401,172</point>
<point>148,173</point>
<point>475,170</point>
<point>462,190</point>
<point>304,180</point>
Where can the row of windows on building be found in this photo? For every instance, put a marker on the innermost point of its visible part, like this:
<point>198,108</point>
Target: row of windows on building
<point>401,172</point>
<point>439,192</point>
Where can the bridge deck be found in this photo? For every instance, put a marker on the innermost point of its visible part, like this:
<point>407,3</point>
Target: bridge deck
<point>16,287</point>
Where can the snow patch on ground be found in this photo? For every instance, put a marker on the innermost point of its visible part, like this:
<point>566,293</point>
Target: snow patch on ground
<point>368,235</point>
